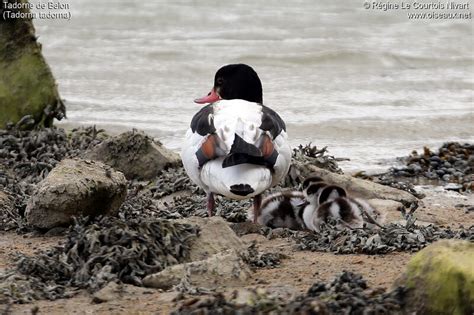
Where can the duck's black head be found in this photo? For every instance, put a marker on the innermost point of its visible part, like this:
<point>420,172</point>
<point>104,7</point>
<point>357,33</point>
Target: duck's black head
<point>235,81</point>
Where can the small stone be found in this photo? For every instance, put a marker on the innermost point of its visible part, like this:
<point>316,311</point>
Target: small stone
<point>431,175</point>
<point>446,177</point>
<point>460,163</point>
<point>453,186</point>
<point>416,168</point>
<point>111,292</point>
<point>450,170</point>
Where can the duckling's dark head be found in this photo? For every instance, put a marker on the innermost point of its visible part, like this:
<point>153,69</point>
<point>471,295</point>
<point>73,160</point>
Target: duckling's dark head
<point>235,81</point>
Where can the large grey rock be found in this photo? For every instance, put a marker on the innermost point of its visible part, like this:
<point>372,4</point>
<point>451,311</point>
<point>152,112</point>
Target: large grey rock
<point>215,236</point>
<point>135,154</point>
<point>222,268</point>
<point>216,258</point>
<point>363,188</point>
<point>76,187</point>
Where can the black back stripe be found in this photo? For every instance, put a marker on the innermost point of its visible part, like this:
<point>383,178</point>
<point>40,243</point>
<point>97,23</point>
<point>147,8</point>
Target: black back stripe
<point>272,122</point>
<point>323,211</point>
<point>241,158</point>
<point>241,146</point>
<point>315,188</point>
<point>300,209</point>
<point>311,179</point>
<point>202,122</point>
<point>328,190</point>
<point>345,210</point>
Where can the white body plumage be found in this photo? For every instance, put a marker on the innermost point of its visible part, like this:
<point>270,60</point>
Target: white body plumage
<point>228,118</point>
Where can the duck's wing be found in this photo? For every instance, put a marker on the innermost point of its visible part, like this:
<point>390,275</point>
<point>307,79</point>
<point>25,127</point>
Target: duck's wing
<point>202,122</point>
<point>272,122</point>
<point>250,133</point>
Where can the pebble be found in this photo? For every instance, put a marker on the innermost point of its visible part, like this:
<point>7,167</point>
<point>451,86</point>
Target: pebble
<point>454,162</point>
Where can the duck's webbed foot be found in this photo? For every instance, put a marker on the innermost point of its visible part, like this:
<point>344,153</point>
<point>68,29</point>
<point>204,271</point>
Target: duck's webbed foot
<point>211,204</point>
<point>257,203</point>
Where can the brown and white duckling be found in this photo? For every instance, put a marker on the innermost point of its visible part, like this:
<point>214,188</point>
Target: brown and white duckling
<point>334,203</point>
<point>312,179</point>
<point>283,210</point>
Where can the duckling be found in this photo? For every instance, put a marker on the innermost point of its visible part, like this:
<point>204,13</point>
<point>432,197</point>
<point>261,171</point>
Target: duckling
<point>285,209</point>
<point>282,210</point>
<point>334,203</point>
<point>312,179</point>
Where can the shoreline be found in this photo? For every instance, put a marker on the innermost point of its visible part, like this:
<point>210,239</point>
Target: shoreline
<point>170,196</point>
<point>355,165</point>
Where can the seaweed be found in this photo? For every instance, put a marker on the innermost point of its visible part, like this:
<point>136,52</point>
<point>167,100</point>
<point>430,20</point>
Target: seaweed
<point>348,293</point>
<point>97,252</point>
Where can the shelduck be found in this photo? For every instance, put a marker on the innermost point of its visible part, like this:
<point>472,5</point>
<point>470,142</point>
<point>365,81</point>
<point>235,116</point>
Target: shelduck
<point>236,146</point>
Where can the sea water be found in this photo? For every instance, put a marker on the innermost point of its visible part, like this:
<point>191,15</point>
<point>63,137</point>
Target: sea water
<point>370,84</point>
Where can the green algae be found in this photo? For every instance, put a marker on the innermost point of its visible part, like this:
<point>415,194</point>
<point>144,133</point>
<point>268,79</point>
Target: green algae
<point>441,277</point>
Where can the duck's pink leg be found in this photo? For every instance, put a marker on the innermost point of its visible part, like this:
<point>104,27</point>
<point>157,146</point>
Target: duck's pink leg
<point>210,204</point>
<point>257,203</point>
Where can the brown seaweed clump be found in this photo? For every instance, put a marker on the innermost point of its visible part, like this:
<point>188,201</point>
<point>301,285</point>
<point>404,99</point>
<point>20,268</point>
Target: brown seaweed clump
<point>347,294</point>
<point>95,253</point>
<point>309,155</point>
<point>389,238</point>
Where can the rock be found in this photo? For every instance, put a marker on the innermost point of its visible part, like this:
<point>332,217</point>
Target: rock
<point>222,268</point>
<point>441,279</point>
<point>216,258</point>
<point>76,187</point>
<point>135,154</point>
<point>215,237</point>
<point>27,86</point>
<point>363,188</point>
<point>389,209</point>
<point>111,292</point>
<point>453,186</point>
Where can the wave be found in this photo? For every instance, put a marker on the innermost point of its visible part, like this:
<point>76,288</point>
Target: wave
<point>354,58</point>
